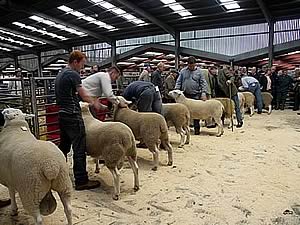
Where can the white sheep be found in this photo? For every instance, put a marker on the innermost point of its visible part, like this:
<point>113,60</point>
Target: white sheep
<point>267,101</point>
<point>228,109</point>
<point>242,103</point>
<point>178,115</point>
<point>150,128</point>
<point>111,141</point>
<point>201,110</point>
<point>32,168</point>
<point>249,101</point>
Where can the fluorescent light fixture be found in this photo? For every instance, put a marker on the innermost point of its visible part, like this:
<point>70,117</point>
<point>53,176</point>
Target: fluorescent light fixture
<point>5,49</point>
<point>167,2</point>
<point>57,25</point>
<point>87,18</point>
<point>65,8</point>
<point>177,8</point>
<point>230,4</point>
<point>15,41</point>
<point>21,36</point>
<point>119,12</point>
<point>184,13</point>
<point>43,32</point>
<point>107,5</point>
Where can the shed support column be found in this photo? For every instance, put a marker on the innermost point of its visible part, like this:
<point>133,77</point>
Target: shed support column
<point>40,73</point>
<point>271,43</point>
<point>113,53</point>
<point>177,49</point>
<point>16,62</point>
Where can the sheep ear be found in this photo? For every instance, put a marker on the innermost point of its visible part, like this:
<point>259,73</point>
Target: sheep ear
<point>8,114</point>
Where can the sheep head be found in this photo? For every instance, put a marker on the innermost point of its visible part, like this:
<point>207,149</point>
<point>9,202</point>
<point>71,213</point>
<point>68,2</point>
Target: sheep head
<point>84,106</point>
<point>15,114</point>
<point>176,94</point>
<point>122,102</point>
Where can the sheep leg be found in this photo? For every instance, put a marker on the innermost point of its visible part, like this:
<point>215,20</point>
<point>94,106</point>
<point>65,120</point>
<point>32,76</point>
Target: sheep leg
<point>169,149</point>
<point>116,175</point>
<point>14,207</point>
<point>270,109</point>
<point>97,170</point>
<point>182,137</point>
<point>220,127</point>
<point>251,110</point>
<point>188,134</point>
<point>66,201</point>
<point>37,217</point>
<point>154,150</point>
<point>135,170</point>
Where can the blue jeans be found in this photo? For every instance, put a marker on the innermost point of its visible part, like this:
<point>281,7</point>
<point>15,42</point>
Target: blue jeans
<point>196,97</point>
<point>72,132</point>
<point>255,89</point>
<point>149,101</point>
<point>237,108</point>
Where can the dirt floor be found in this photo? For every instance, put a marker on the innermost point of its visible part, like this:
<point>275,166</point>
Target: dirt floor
<point>250,176</point>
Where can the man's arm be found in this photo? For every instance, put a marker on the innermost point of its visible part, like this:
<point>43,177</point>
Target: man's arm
<point>178,84</point>
<point>83,93</point>
<point>105,83</point>
<point>203,86</point>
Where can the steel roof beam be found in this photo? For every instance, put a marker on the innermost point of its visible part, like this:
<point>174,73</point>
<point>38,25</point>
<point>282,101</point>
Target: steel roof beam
<point>265,10</point>
<point>28,10</point>
<point>148,16</point>
<point>12,47</point>
<point>53,43</point>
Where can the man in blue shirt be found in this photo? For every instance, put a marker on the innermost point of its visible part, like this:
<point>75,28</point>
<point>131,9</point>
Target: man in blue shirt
<point>252,85</point>
<point>193,84</point>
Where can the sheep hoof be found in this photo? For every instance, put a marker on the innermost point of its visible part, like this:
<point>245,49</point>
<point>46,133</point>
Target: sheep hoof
<point>219,135</point>
<point>116,197</point>
<point>180,146</point>
<point>136,188</point>
<point>154,168</point>
<point>170,163</point>
<point>187,142</point>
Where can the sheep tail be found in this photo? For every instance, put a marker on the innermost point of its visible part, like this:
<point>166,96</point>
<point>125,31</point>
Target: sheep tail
<point>48,204</point>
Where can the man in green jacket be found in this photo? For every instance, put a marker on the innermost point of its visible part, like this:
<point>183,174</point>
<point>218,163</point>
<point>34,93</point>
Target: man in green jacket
<point>225,82</point>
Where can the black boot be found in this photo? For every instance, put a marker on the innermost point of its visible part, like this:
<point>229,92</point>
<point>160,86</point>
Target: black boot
<point>197,131</point>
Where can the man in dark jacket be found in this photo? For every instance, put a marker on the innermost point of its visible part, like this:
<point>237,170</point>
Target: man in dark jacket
<point>297,89</point>
<point>274,84</point>
<point>156,77</point>
<point>145,95</point>
<point>226,82</point>
<point>284,84</point>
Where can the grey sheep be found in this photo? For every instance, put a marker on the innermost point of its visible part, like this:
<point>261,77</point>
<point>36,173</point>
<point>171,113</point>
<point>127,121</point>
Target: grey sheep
<point>32,168</point>
<point>178,115</point>
<point>111,141</point>
<point>150,128</point>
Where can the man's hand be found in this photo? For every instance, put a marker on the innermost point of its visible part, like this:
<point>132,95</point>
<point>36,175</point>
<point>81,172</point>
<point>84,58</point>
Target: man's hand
<point>98,106</point>
<point>228,82</point>
<point>203,97</point>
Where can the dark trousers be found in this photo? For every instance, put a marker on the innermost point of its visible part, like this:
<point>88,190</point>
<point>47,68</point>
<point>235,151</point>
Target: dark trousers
<point>196,97</point>
<point>235,98</point>
<point>72,133</point>
<point>297,97</point>
<point>149,101</point>
<point>281,98</point>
